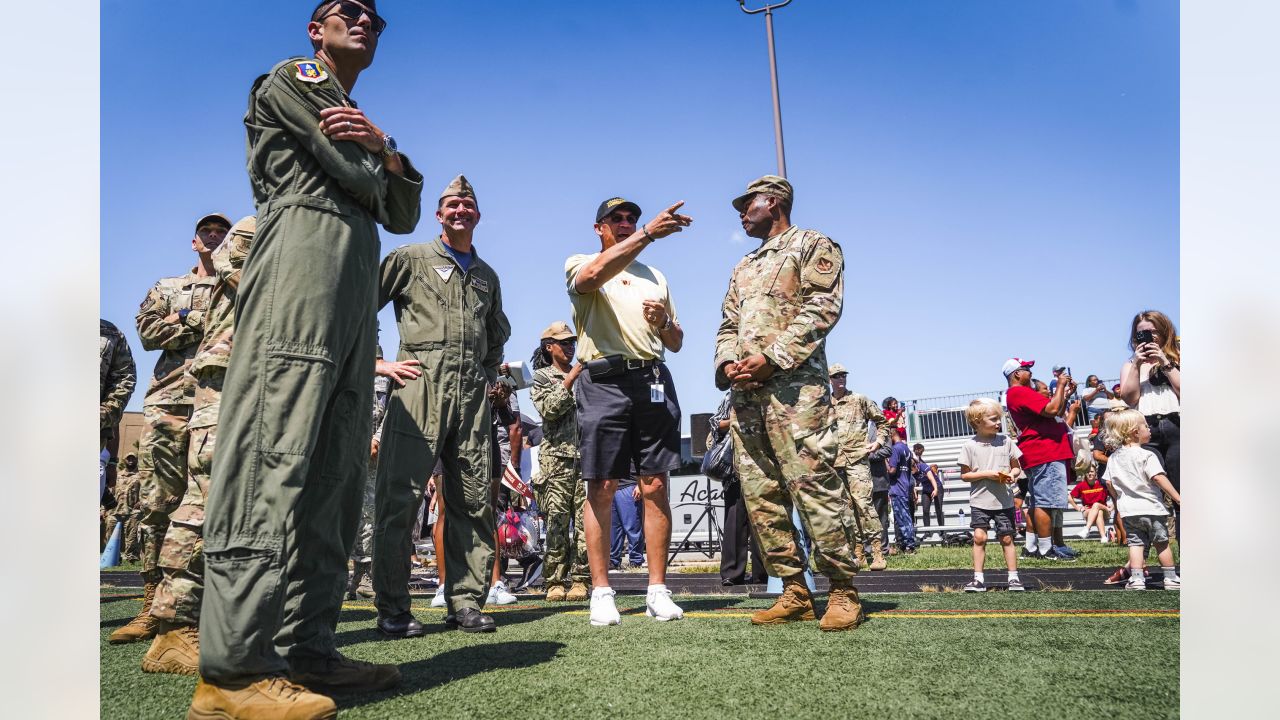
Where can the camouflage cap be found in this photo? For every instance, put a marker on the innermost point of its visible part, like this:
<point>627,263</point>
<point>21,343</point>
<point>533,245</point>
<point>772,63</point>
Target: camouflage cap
<point>213,217</point>
<point>837,369</point>
<point>459,187</point>
<point>774,185</point>
<point>608,206</point>
<point>246,225</point>
<point>558,330</point>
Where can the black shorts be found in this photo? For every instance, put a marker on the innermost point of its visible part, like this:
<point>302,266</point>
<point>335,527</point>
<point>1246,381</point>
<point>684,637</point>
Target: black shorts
<point>1003,520</point>
<point>619,427</point>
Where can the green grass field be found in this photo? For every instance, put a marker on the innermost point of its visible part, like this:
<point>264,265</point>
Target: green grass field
<point>920,655</point>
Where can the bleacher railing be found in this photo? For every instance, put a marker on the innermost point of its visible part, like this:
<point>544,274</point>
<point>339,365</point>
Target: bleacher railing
<point>942,416</point>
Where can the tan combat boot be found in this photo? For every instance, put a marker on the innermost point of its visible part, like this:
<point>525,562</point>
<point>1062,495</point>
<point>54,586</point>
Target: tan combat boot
<point>175,649</point>
<point>272,697</point>
<point>578,592</point>
<point>844,611</point>
<point>555,593</point>
<point>877,556</point>
<point>859,558</point>
<point>793,605</point>
<point>142,627</point>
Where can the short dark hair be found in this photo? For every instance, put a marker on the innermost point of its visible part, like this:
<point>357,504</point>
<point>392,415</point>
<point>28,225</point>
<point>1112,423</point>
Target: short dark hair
<point>918,446</point>
<point>324,5</point>
<point>315,13</point>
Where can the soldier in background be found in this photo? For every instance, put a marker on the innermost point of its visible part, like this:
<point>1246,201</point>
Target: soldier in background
<point>127,509</point>
<point>853,412</point>
<point>362,554</point>
<point>783,299</point>
<point>448,305</point>
<point>176,647</point>
<point>171,319</point>
<point>117,376</point>
<point>560,491</point>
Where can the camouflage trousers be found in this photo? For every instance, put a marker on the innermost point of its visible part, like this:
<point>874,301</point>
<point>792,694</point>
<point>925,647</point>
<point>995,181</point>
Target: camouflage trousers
<point>130,535</point>
<point>182,553</point>
<point>858,476</point>
<point>362,551</point>
<point>162,477</point>
<point>561,495</point>
<point>779,471</point>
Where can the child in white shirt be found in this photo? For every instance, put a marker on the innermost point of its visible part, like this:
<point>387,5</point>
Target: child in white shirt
<point>1136,478</point>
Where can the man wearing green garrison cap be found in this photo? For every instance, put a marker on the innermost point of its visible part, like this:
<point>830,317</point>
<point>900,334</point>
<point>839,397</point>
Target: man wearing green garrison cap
<point>448,305</point>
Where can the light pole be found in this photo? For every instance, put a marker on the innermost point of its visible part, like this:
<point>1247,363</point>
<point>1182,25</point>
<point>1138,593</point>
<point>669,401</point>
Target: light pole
<point>773,76</point>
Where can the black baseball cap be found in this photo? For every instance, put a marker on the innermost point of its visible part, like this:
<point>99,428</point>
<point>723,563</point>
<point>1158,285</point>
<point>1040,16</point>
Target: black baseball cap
<point>608,206</point>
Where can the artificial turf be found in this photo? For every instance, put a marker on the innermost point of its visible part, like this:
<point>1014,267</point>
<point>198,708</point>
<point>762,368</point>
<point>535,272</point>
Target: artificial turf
<point>920,655</point>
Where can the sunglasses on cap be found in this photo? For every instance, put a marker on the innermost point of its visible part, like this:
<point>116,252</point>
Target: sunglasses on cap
<point>353,10</point>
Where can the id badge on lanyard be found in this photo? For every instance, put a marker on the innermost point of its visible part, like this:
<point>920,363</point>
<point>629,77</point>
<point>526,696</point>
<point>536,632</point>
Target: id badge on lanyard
<point>657,393</point>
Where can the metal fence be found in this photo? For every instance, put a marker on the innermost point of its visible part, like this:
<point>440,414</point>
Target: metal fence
<point>942,416</point>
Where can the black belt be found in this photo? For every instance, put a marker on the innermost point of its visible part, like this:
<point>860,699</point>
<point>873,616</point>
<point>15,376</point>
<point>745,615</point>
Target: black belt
<point>616,365</point>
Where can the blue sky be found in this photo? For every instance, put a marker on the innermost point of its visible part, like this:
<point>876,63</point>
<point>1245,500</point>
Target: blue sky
<point>1002,176</point>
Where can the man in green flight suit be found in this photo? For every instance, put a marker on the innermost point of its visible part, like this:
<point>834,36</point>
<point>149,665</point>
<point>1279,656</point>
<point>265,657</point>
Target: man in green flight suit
<point>284,501</point>
<point>448,305</point>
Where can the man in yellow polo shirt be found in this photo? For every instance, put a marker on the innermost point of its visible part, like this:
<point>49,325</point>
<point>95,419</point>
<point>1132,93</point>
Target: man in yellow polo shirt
<point>628,414</point>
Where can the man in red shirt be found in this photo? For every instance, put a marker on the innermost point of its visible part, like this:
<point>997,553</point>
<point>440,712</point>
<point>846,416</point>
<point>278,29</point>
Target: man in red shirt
<point>1046,450</point>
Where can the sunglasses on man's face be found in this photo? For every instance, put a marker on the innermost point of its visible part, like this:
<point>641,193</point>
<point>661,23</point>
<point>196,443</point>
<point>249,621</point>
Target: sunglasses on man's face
<point>571,342</point>
<point>353,10</point>
<point>623,218</point>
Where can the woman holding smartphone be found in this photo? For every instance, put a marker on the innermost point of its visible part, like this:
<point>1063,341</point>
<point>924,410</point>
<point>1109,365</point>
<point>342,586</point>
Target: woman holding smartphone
<point>1151,381</point>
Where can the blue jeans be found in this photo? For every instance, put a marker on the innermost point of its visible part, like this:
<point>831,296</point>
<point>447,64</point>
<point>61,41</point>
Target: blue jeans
<point>626,528</point>
<point>903,526</point>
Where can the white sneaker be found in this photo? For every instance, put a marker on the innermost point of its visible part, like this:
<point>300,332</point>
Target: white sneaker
<point>498,595</point>
<point>438,601</point>
<point>658,606</point>
<point>1136,582</point>
<point>1084,533</point>
<point>603,610</point>
<point>1173,584</point>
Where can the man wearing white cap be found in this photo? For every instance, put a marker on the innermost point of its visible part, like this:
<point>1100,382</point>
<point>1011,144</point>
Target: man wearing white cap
<point>1046,451</point>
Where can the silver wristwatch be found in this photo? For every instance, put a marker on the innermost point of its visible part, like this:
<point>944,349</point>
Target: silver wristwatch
<point>388,147</point>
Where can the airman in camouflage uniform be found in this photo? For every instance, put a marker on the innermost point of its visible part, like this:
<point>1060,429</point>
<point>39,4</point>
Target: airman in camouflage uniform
<point>170,319</point>
<point>558,485</point>
<point>127,509</point>
<point>117,376</point>
<point>853,412</point>
<point>362,553</point>
<point>175,648</point>
<point>783,299</point>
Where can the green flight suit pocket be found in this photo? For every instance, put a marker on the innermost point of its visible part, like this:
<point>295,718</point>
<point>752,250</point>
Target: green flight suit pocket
<point>301,377</point>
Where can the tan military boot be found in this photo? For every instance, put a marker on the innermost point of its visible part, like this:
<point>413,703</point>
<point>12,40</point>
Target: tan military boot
<point>844,610</point>
<point>268,698</point>
<point>793,605</point>
<point>142,627</point>
<point>578,592</point>
<point>877,556</point>
<point>340,674</point>
<point>859,558</point>
<point>175,649</point>
<point>555,593</point>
